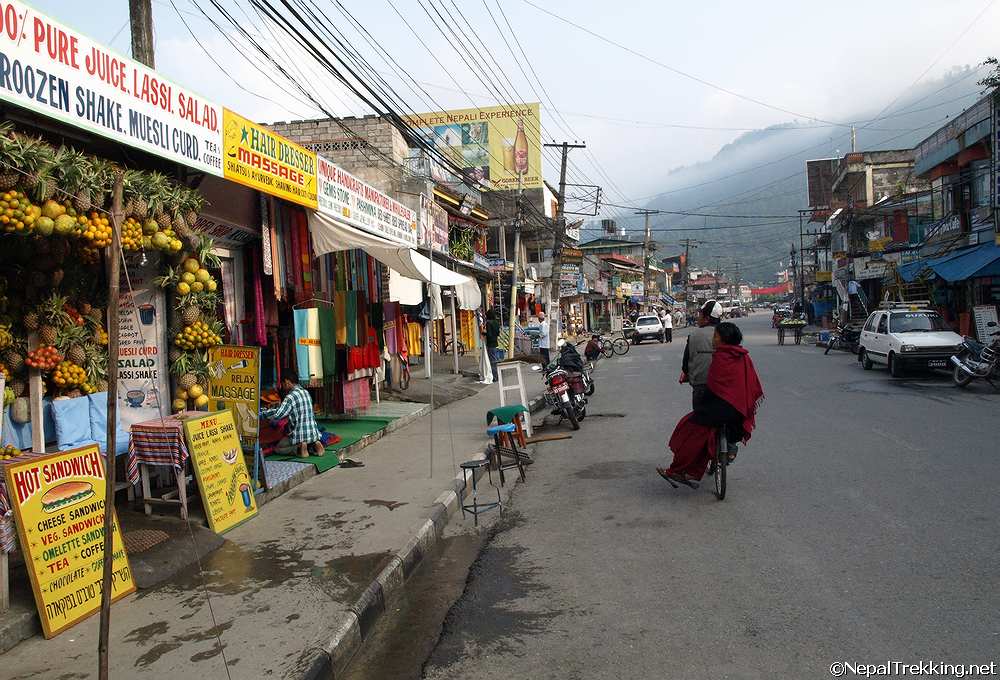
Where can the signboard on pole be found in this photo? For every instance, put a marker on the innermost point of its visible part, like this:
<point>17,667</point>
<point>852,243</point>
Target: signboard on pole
<point>348,199</point>
<point>234,385</point>
<point>984,314</point>
<point>57,72</point>
<point>58,504</point>
<point>496,144</point>
<point>143,385</point>
<point>262,160</point>
<point>223,480</point>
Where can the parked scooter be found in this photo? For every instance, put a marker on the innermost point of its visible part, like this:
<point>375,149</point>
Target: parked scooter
<point>978,361</point>
<point>845,337</point>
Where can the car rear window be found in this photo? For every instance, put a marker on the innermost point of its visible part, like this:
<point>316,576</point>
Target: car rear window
<point>647,321</point>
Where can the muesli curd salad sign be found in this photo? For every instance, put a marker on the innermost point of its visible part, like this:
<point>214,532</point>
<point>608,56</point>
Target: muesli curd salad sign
<point>57,72</point>
<point>58,504</point>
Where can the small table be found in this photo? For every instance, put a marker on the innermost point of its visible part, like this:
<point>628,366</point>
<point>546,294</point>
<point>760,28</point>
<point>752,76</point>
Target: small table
<point>160,441</point>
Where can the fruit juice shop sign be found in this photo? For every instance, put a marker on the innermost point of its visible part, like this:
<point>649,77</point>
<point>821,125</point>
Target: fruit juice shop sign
<point>62,74</point>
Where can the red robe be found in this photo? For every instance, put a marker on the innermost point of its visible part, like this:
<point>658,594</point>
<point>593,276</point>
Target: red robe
<point>731,377</point>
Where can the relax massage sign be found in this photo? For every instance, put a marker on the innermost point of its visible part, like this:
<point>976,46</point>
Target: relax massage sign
<point>58,503</point>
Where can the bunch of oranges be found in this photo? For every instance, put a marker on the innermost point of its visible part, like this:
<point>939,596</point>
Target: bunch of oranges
<point>68,374</point>
<point>197,336</point>
<point>45,358</point>
<point>96,229</point>
<point>16,212</point>
<point>131,234</point>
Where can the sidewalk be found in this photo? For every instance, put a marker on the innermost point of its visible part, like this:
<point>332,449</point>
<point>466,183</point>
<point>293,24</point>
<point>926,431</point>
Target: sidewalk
<point>310,573</point>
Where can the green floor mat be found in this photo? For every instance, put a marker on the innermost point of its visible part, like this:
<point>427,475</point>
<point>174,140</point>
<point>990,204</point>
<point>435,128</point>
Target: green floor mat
<point>350,431</point>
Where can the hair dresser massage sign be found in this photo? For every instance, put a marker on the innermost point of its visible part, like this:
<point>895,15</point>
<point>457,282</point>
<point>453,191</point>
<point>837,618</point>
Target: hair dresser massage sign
<point>58,503</point>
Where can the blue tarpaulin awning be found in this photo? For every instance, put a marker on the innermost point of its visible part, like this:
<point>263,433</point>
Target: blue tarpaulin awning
<point>981,260</point>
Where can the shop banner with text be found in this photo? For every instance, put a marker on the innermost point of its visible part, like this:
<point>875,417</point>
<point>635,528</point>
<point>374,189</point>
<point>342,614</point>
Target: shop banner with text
<point>433,225</point>
<point>262,160</point>
<point>348,199</point>
<point>225,485</point>
<point>234,386</point>
<point>60,73</point>
<point>498,144</point>
<point>143,388</point>
<point>58,504</point>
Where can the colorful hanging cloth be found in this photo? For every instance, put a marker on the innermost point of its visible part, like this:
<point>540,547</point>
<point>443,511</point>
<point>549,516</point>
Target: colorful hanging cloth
<point>328,340</point>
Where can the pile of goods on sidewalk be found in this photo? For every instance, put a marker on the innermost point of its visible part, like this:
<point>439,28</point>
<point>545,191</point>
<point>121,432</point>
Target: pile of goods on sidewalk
<point>55,223</point>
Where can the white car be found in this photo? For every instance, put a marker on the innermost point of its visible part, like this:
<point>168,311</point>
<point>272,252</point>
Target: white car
<point>904,338</point>
<point>648,327</point>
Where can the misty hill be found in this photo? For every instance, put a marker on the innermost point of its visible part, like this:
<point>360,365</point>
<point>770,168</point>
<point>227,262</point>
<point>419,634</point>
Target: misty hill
<point>763,173</point>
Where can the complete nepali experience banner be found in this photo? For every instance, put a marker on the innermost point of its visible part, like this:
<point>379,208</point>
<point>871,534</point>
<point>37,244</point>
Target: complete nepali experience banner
<point>262,160</point>
<point>225,485</point>
<point>499,144</point>
<point>348,199</point>
<point>57,72</point>
<point>58,504</point>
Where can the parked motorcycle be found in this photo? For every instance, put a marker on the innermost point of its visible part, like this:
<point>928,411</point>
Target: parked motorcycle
<point>588,379</point>
<point>978,361</point>
<point>564,393</point>
<point>845,337</point>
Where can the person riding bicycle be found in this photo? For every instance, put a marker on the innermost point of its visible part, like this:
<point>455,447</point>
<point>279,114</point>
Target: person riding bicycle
<point>593,348</point>
<point>698,351</point>
<point>733,393</point>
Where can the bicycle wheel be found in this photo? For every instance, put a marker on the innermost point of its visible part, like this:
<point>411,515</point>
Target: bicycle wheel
<point>620,346</point>
<point>721,463</point>
<point>607,350</point>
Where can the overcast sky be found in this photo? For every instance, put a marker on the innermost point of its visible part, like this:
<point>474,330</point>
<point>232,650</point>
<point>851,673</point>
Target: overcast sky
<point>829,60</point>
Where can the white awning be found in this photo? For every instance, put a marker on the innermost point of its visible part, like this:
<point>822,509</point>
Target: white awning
<point>329,236</point>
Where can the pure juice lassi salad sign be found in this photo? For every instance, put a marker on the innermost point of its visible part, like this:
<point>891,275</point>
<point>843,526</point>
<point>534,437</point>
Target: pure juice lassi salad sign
<point>58,503</point>
<point>361,205</point>
<point>262,160</point>
<point>225,485</point>
<point>57,72</point>
<point>234,385</point>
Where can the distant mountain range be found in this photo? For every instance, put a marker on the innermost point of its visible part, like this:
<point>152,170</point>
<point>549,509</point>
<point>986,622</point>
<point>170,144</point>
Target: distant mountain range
<point>763,173</point>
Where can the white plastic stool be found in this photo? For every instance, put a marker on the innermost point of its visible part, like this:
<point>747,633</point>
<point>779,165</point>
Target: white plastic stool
<point>516,386</point>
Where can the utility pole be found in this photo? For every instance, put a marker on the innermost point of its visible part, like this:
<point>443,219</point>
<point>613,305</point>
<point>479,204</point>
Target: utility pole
<point>688,245</point>
<point>140,14</point>
<point>556,276</point>
<point>718,264</point>
<point>645,252</point>
<point>513,274</point>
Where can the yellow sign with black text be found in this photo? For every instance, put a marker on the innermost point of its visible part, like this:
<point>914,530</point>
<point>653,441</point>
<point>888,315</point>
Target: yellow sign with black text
<point>58,504</point>
<point>260,159</point>
<point>234,385</point>
<point>225,485</point>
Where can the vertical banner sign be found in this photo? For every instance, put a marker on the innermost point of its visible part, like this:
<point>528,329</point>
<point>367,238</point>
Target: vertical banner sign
<point>996,166</point>
<point>348,199</point>
<point>142,367</point>
<point>234,385</point>
<point>223,480</point>
<point>54,71</point>
<point>433,225</point>
<point>260,159</point>
<point>58,504</point>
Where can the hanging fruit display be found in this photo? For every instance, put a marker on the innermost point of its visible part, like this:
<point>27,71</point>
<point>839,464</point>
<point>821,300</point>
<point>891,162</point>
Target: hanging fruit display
<point>68,374</point>
<point>45,358</point>
<point>198,335</point>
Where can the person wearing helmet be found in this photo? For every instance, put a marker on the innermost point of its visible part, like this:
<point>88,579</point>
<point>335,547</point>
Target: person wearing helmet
<point>698,351</point>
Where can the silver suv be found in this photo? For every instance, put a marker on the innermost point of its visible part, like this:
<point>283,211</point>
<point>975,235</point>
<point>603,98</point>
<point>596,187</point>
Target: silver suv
<point>648,327</point>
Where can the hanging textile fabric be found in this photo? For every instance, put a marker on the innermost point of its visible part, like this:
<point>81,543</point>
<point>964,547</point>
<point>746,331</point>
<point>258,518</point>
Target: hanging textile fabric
<point>328,340</point>
<point>391,318</point>
<point>340,316</point>
<point>304,253</point>
<point>259,327</point>
<point>467,328</point>
<point>414,338</point>
<point>351,312</point>
<point>362,313</point>
<point>434,293</point>
<point>308,345</point>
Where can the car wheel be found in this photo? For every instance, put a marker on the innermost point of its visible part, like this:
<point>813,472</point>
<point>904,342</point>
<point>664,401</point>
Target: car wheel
<point>895,366</point>
<point>866,363</point>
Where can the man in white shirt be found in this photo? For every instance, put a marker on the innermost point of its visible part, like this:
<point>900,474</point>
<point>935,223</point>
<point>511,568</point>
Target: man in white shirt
<point>543,338</point>
<point>668,326</point>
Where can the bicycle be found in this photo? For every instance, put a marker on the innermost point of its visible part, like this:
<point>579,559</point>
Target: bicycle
<point>404,370</point>
<point>448,347</point>
<point>611,346</point>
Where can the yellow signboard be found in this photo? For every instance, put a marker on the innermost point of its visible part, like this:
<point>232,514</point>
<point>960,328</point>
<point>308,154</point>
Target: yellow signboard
<point>494,143</point>
<point>234,385</point>
<point>58,503</point>
<point>265,161</point>
<point>824,276</point>
<point>225,485</point>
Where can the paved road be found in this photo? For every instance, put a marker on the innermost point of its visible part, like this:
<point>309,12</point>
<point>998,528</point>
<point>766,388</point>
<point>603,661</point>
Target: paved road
<point>860,526</point>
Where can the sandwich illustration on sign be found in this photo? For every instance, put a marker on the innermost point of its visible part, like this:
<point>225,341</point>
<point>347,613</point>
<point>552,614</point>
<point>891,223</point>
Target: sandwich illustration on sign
<point>59,497</point>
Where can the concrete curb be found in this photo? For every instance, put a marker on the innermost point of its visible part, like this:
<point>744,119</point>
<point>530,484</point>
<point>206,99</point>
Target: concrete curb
<point>355,626</point>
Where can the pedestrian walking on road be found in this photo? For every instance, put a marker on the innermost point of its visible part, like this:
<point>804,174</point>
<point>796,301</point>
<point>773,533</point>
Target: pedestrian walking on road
<point>732,394</point>
<point>543,338</point>
<point>491,334</point>
<point>668,326</point>
<point>699,349</point>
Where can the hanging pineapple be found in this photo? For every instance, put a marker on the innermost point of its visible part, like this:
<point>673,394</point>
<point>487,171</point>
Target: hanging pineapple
<point>11,158</point>
<point>13,356</point>
<point>71,340</point>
